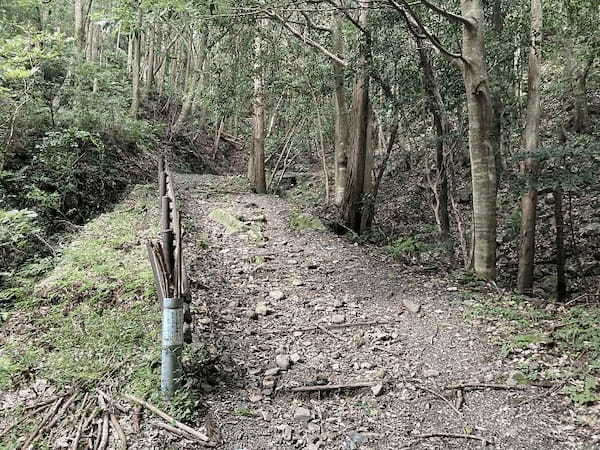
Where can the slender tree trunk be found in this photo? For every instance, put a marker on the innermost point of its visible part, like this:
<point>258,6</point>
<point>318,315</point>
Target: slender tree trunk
<point>440,126</point>
<point>136,65</point>
<point>483,164</point>
<point>80,10</point>
<point>130,39</point>
<point>529,167</point>
<point>258,138</point>
<point>561,280</point>
<point>352,205</point>
<point>150,62</point>
<point>342,119</point>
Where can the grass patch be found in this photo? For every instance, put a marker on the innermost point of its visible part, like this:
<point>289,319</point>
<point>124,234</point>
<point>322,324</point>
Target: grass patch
<point>306,222</point>
<point>539,336</point>
<point>96,319</point>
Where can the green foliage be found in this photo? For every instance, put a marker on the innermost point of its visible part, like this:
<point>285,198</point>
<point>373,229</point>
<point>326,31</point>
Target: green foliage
<point>581,331</point>
<point>407,246</point>
<point>584,392</point>
<point>101,314</point>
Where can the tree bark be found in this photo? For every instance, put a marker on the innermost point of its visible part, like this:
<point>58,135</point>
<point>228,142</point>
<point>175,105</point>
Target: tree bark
<point>258,138</point>
<point>136,65</point>
<point>529,167</point>
<point>483,164</point>
<point>342,119</point>
<point>81,10</point>
<point>150,61</point>
<point>352,205</point>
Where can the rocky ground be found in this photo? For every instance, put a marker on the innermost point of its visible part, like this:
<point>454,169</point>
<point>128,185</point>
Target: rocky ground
<point>291,313</point>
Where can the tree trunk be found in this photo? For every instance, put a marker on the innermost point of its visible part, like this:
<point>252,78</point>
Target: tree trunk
<point>80,11</point>
<point>258,138</point>
<point>483,164</point>
<point>352,205</point>
<point>529,167</point>
<point>440,126</point>
<point>342,120</point>
<point>150,61</point>
<point>561,280</point>
<point>135,69</point>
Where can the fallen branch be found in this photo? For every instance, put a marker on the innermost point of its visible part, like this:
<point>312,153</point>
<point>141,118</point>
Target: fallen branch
<point>454,436</point>
<point>331,387</point>
<point>83,426</point>
<point>330,327</point>
<point>39,409</point>
<point>326,331</point>
<point>168,418</point>
<point>104,432</point>
<point>485,386</point>
<point>440,396</point>
<point>119,430</point>
<point>34,435</point>
<point>175,430</point>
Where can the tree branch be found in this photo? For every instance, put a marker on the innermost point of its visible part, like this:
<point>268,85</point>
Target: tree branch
<point>448,15</point>
<point>415,26</point>
<point>307,40</point>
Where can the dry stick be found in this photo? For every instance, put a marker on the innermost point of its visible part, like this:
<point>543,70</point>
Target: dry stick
<point>117,427</point>
<point>33,436</point>
<point>104,433</point>
<point>330,327</point>
<point>330,387</point>
<point>44,403</point>
<point>23,419</point>
<point>168,418</point>
<point>86,424</point>
<point>137,414</point>
<point>325,330</point>
<point>485,386</point>
<point>455,436</point>
<point>60,413</point>
<point>175,430</point>
<point>111,401</point>
<point>441,397</point>
<point>96,445</point>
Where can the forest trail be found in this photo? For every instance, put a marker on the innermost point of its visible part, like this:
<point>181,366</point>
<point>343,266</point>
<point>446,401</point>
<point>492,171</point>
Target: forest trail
<point>313,279</point>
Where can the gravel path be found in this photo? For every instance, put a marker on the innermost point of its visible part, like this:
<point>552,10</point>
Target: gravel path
<point>270,309</point>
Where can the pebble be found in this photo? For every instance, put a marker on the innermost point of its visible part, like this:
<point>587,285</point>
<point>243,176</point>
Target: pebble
<point>302,415</point>
<point>295,358</point>
<point>430,373</point>
<point>337,318</point>
<point>262,309</point>
<point>413,307</point>
<point>283,362</point>
<point>272,372</point>
<point>297,283</point>
<point>277,295</point>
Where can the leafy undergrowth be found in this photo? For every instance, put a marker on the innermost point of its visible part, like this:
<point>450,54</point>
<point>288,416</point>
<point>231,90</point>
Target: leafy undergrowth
<point>94,321</point>
<point>548,342</point>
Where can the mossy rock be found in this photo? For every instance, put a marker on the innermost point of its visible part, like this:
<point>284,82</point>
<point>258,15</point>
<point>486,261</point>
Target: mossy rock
<point>306,222</point>
<point>229,220</point>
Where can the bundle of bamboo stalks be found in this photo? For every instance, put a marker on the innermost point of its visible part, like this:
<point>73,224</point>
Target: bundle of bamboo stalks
<point>93,420</point>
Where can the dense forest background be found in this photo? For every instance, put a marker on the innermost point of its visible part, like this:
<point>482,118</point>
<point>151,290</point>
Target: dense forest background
<point>371,94</point>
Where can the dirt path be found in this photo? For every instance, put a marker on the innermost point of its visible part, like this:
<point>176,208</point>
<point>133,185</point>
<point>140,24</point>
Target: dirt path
<point>324,279</point>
